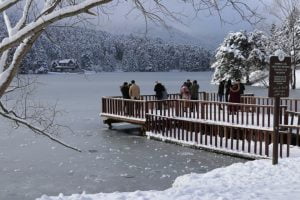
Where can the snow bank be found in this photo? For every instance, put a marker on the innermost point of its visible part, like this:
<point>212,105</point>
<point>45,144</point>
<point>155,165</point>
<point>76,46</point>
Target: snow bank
<point>252,180</point>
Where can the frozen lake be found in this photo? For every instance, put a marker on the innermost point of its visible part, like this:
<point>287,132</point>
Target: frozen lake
<point>112,160</point>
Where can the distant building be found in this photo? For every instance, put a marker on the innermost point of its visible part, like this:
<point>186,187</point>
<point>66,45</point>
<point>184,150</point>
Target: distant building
<point>66,65</point>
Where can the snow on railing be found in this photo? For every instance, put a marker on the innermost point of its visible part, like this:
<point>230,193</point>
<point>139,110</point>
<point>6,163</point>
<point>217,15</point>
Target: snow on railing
<point>249,141</point>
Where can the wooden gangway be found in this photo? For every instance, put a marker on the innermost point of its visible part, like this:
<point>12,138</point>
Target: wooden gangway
<point>251,120</point>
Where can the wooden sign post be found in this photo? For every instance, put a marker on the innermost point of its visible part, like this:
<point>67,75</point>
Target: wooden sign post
<point>280,71</point>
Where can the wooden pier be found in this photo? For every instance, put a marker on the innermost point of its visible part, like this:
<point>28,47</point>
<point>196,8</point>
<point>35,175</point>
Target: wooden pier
<point>235,128</point>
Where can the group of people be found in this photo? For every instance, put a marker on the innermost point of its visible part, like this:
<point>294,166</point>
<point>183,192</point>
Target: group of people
<point>130,91</point>
<point>233,92</point>
<point>189,90</point>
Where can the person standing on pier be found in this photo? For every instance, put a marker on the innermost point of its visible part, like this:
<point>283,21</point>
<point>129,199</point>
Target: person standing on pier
<point>134,90</point>
<point>185,92</point>
<point>234,97</point>
<point>125,94</point>
<point>159,90</point>
<point>242,87</point>
<point>189,84</point>
<point>125,90</point>
<point>221,90</point>
<point>194,90</point>
<point>227,91</point>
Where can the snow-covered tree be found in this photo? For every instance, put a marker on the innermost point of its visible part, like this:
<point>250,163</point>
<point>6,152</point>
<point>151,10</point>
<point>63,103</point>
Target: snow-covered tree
<point>286,36</point>
<point>241,54</point>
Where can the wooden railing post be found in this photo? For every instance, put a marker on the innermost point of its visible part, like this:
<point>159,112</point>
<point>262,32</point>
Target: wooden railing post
<point>103,105</point>
<point>285,116</point>
<point>202,110</point>
<point>176,107</point>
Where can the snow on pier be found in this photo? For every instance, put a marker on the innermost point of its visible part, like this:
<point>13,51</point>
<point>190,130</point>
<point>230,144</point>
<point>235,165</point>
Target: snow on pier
<point>244,128</point>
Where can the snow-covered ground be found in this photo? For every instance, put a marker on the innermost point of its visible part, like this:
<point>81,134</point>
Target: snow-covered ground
<point>252,180</point>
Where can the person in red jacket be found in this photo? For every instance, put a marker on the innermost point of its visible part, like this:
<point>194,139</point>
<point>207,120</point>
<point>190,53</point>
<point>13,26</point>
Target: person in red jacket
<point>234,97</point>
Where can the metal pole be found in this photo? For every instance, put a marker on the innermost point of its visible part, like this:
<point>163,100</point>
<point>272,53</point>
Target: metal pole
<point>276,130</point>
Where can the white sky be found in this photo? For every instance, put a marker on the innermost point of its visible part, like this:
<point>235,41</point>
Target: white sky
<point>204,25</point>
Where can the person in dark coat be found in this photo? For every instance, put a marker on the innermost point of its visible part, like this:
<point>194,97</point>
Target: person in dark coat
<point>234,97</point>
<point>227,87</point>
<point>242,87</point>
<point>221,90</point>
<point>189,84</point>
<point>125,94</point>
<point>194,90</point>
<point>125,90</point>
<point>159,90</point>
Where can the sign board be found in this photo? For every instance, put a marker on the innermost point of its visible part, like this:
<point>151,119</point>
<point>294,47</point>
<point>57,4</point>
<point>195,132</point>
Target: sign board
<point>279,77</point>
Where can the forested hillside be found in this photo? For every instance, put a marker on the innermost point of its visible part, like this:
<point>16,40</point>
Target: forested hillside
<point>102,51</point>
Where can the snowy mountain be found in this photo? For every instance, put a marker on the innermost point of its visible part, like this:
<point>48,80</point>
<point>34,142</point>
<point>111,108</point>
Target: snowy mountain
<point>176,36</point>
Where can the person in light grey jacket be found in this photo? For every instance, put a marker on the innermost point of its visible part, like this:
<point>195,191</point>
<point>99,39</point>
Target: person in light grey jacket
<point>134,90</point>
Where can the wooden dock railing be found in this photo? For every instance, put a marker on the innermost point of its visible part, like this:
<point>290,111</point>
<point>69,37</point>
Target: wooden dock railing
<point>233,113</point>
<point>292,104</point>
<point>124,107</point>
<point>240,127</point>
<point>232,139</point>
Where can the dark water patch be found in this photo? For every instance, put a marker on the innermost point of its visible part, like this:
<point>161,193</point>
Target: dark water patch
<point>93,151</point>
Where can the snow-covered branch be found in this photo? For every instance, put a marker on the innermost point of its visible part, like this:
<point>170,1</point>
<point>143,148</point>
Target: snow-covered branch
<point>8,24</point>
<point>3,60</point>
<point>5,4</point>
<point>48,19</point>
<point>24,17</point>
<point>49,6</point>
<point>8,74</point>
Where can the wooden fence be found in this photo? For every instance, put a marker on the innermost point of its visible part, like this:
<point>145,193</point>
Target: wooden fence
<point>292,104</point>
<point>232,139</point>
<point>240,127</point>
<point>124,107</point>
<point>233,113</point>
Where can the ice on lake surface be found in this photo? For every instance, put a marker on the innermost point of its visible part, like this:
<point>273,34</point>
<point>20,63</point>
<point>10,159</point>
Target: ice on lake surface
<point>112,160</point>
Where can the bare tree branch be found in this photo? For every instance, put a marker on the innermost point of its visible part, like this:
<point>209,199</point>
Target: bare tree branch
<point>12,116</point>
